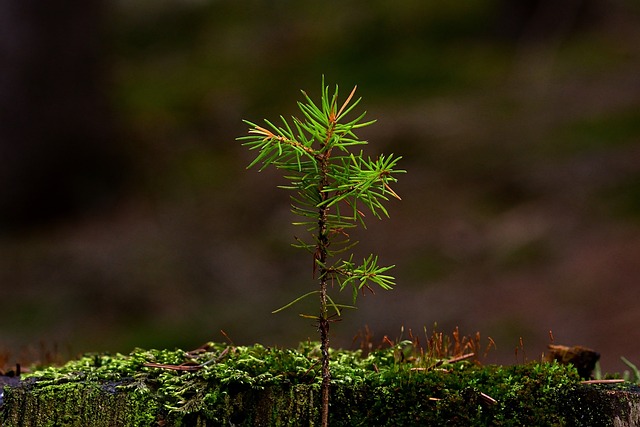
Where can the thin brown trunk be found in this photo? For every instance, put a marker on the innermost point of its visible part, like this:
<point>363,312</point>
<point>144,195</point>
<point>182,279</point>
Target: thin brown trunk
<point>326,373</point>
<point>323,321</point>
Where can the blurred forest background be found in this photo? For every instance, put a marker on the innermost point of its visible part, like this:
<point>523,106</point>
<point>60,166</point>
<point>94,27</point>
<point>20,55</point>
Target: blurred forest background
<point>127,217</point>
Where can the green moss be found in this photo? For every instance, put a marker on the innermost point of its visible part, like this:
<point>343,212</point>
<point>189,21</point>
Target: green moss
<point>257,385</point>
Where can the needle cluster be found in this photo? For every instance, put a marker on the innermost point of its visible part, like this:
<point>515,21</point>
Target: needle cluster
<point>330,184</point>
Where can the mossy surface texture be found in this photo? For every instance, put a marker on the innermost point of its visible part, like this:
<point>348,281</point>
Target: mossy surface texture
<point>256,385</point>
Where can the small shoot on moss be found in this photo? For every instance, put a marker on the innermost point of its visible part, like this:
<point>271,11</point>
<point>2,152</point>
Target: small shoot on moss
<point>331,183</point>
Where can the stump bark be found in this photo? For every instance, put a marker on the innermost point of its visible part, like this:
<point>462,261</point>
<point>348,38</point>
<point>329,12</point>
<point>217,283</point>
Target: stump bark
<point>27,403</point>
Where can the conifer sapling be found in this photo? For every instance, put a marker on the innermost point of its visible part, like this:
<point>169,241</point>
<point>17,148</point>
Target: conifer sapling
<point>332,183</point>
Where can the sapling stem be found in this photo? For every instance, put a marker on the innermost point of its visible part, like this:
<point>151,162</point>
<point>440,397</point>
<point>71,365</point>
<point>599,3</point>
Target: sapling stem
<point>323,320</point>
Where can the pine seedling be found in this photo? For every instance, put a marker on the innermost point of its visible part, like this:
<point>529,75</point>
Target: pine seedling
<point>332,184</point>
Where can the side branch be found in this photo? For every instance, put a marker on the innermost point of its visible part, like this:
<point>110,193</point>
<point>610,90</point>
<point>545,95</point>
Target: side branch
<point>268,136</point>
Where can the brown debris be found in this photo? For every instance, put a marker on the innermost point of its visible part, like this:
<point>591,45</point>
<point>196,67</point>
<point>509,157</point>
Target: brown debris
<point>583,358</point>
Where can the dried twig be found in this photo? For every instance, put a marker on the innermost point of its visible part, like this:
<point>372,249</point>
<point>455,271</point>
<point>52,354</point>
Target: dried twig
<point>183,367</point>
<point>461,358</point>
<point>488,399</point>
<point>188,366</point>
<point>613,381</point>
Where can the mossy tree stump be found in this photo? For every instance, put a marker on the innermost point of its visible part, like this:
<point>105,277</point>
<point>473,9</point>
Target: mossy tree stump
<point>223,385</point>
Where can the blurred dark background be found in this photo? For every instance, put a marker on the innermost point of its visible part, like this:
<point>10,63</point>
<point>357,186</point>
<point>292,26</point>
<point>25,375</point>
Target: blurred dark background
<point>127,217</point>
